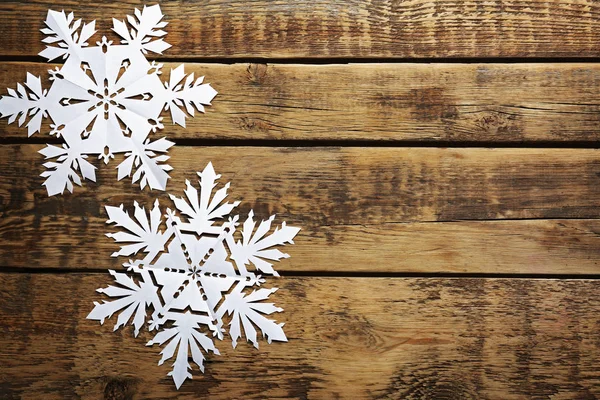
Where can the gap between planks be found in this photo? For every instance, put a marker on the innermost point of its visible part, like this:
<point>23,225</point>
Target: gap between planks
<point>292,143</point>
<point>337,60</point>
<point>333,274</point>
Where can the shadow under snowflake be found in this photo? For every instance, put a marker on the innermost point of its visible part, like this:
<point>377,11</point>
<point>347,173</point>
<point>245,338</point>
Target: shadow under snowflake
<point>186,275</point>
<point>105,99</point>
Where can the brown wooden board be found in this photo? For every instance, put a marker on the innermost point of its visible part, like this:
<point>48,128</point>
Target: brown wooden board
<point>340,28</point>
<point>348,338</point>
<point>360,209</point>
<point>560,246</point>
<point>454,103</point>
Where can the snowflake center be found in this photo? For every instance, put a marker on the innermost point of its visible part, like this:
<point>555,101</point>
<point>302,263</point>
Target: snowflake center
<point>194,272</point>
<point>107,99</point>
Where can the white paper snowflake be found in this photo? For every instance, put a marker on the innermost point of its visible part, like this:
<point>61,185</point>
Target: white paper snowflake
<point>193,273</point>
<point>105,99</point>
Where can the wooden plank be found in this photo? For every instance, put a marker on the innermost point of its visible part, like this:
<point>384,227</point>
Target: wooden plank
<point>492,103</point>
<point>348,338</point>
<point>360,209</point>
<point>341,28</point>
<point>342,185</point>
<point>516,246</point>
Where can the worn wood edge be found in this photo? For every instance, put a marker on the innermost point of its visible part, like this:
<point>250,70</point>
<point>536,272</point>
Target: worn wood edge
<point>408,338</point>
<point>415,103</point>
<point>528,247</point>
<point>320,29</point>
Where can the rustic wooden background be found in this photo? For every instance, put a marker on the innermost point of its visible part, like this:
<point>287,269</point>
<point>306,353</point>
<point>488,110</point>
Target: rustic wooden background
<point>440,157</point>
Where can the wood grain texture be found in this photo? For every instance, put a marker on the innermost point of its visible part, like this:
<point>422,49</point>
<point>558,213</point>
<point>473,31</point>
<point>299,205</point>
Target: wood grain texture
<point>348,338</point>
<point>571,247</point>
<point>491,103</point>
<point>360,209</point>
<point>318,186</point>
<point>340,28</point>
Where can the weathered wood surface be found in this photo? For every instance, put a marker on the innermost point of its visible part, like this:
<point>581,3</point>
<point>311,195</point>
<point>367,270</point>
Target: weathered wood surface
<point>342,185</point>
<point>340,28</point>
<point>348,338</point>
<point>64,242</point>
<point>492,103</point>
<point>360,209</point>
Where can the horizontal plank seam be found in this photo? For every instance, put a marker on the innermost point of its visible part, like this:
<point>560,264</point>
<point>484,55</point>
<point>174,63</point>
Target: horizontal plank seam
<point>459,221</point>
<point>338,60</point>
<point>233,142</point>
<point>333,274</point>
<point>464,221</point>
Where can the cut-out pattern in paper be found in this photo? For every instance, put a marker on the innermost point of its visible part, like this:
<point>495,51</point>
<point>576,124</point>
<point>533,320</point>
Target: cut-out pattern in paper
<point>197,270</point>
<point>105,99</point>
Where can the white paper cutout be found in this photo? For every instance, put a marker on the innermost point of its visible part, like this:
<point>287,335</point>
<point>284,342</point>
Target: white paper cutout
<point>187,277</point>
<point>105,99</point>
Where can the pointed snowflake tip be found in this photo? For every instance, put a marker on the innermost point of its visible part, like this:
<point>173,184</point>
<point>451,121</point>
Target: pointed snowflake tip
<point>209,173</point>
<point>179,379</point>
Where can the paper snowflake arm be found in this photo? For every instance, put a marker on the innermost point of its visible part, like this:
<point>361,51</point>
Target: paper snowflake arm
<point>132,298</point>
<point>143,233</point>
<point>146,30</point>
<point>201,210</point>
<point>28,100</point>
<point>149,167</point>
<point>193,273</point>
<point>184,337</point>
<point>64,34</point>
<point>62,173</point>
<point>255,248</point>
<point>247,310</point>
<point>189,94</point>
